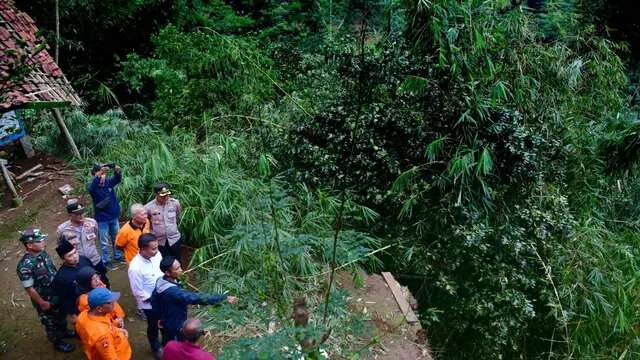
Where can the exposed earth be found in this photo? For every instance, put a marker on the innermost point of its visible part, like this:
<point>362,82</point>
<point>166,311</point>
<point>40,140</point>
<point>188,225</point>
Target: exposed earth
<point>23,337</point>
<point>21,334</point>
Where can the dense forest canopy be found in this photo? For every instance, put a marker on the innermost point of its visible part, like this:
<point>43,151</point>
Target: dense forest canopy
<point>493,144</point>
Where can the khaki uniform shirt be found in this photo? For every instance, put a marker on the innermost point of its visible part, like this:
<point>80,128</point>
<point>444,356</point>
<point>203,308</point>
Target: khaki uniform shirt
<point>87,234</point>
<point>164,221</point>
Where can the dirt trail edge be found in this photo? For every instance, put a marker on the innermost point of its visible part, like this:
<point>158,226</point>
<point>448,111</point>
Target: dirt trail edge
<point>21,334</point>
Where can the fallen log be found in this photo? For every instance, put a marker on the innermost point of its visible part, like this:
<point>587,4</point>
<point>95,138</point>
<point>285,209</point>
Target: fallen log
<point>26,173</point>
<point>36,189</point>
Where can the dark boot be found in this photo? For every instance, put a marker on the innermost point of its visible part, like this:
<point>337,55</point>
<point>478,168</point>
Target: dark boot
<point>64,347</point>
<point>70,334</point>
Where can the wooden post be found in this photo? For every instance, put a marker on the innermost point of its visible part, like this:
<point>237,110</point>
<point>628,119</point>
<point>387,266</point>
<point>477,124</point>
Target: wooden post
<point>17,201</point>
<point>63,129</point>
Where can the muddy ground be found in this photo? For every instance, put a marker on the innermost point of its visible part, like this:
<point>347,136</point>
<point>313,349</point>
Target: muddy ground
<point>21,334</point>
<point>23,337</point>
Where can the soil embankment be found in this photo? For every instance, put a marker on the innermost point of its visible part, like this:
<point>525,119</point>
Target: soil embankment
<point>21,334</point>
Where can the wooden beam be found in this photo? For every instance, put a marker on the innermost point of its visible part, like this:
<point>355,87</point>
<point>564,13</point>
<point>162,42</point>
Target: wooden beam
<point>26,173</point>
<point>63,129</point>
<point>400,298</point>
<point>17,201</point>
<point>38,105</point>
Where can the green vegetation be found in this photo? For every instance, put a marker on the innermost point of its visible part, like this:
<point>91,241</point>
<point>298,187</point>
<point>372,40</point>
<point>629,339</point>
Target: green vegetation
<point>492,146</point>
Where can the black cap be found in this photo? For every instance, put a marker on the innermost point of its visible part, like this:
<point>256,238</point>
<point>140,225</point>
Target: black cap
<point>162,189</point>
<point>63,248</point>
<point>166,263</point>
<point>75,208</point>
<point>96,168</point>
<point>84,278</point>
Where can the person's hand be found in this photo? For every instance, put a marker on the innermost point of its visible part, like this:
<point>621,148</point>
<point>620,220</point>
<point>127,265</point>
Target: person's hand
<point>119,322</point>
<point>45,306</point>
<point>124,331</point>
<point>102,172</point>
<point>117,169</point>
<point>232,299</point>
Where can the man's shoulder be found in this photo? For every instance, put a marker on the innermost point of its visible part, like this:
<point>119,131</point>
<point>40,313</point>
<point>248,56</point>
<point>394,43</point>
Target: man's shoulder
<point>64,226</point>
<point>135,263</point>
<point>83,318</point>
<point>150,204</point>
<point>91,221</point>
<point>84,262</point>
<point>27,260</point>
<point>126,228</point>
<point>96,330</point>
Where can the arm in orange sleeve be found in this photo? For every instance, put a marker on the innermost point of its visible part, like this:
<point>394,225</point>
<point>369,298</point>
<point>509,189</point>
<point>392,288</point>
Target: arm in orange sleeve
<point>119,311</point>
<point>121,239</point>
<point>83,303</point>
<point>106,349</point>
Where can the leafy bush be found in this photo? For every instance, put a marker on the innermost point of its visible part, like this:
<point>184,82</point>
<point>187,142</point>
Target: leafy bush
<point>270,241</point>
<point>91,133</point>
<point>201,76</point>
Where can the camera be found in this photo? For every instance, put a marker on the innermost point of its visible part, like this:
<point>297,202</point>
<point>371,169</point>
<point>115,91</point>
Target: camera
<point>98,166</point>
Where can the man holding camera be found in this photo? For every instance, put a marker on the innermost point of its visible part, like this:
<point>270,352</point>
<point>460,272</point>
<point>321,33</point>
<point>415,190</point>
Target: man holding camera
<point>106,208</point>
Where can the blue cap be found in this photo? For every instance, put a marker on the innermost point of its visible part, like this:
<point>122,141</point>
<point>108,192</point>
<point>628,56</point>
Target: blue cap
<point>101,296</point>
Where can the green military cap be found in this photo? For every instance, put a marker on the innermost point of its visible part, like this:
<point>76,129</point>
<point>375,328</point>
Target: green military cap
<point>32,235</point>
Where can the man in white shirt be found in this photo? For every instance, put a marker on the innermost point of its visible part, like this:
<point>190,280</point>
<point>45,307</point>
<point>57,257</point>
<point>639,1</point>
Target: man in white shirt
<point>144,270</point>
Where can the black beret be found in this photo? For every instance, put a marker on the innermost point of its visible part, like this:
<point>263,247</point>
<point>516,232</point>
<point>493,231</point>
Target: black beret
<point>64,247</point>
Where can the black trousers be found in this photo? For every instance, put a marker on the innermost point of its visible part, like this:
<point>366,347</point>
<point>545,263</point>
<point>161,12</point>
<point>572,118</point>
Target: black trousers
<point>173,250</point>
<point>168,335</point>
<point>152,328</point>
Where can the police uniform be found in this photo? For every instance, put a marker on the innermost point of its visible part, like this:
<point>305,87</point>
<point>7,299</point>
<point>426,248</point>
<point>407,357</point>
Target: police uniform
<point>38,271</point>
<point>164,224</point>
<point>87,233</point>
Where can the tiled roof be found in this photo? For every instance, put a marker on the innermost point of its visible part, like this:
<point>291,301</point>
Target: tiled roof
<point>45,83</point>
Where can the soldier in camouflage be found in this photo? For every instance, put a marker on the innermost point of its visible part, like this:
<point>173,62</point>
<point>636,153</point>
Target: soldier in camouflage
<point>36,272</point>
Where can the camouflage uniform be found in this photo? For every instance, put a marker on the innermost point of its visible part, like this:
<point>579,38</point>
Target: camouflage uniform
<point>38,272</point>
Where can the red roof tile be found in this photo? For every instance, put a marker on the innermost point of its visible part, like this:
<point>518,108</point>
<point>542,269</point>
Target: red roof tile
<point>45,82</point>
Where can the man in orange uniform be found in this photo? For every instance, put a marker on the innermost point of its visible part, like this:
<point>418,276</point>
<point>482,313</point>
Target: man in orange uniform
<point>129,233</point>
<point>87,280</point>
<point>101,337</point>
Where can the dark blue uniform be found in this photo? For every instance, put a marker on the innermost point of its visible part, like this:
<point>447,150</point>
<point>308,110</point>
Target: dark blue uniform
<point>65,285</point>
<point>170,302</point>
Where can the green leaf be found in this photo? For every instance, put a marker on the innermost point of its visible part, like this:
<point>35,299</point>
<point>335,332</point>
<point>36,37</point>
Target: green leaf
<point>485,163</point>
<point>434,149</point>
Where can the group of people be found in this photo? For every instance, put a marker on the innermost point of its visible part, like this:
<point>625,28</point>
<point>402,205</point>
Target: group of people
<point>79,291</point>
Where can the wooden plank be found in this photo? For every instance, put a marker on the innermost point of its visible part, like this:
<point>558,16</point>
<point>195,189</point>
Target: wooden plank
<point>400,298</point>
<point>37,105</point>
<point>26,173</point>
<point>17,201</point>
<point>63,128</point>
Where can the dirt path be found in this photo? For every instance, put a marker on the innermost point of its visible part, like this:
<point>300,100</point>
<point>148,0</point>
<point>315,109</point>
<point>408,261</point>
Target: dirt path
<point>21,334</point>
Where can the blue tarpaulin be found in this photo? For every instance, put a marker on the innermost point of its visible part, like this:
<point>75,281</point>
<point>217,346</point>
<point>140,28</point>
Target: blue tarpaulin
<point>11,128</point>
